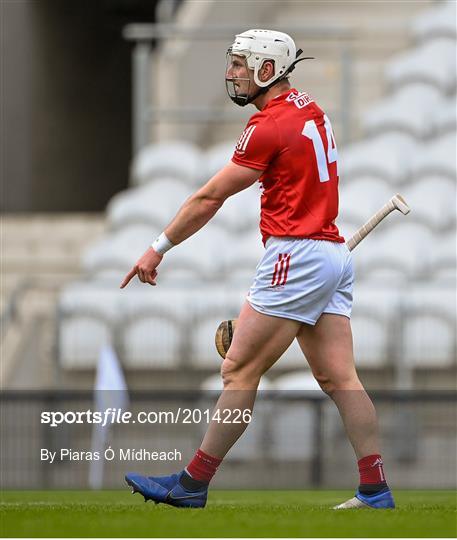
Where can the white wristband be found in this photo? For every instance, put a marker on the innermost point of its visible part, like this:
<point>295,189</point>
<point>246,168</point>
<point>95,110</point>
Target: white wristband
<point>161,244</point>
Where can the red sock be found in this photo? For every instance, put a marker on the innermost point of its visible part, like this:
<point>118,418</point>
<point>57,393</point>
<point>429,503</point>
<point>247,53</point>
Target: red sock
<point>203,467</point>
<point>371,471</point>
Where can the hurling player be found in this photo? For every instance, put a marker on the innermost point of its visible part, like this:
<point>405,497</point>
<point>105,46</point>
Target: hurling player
<point>303,286</point>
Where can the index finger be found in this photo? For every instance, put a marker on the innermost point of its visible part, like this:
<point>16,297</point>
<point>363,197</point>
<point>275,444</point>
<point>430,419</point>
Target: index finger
<point>128,277</point>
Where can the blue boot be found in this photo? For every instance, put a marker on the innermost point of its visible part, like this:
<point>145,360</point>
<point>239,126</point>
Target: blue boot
<point>167,490</point>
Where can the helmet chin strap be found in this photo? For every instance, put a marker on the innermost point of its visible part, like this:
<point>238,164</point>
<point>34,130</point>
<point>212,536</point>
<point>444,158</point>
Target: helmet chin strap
<point>243,99</point>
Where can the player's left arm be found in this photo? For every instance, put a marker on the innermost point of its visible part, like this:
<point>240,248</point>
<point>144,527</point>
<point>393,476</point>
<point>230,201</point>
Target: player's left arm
<point>194,214</point>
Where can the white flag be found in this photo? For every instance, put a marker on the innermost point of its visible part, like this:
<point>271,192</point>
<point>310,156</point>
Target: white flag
<point>110,391</point>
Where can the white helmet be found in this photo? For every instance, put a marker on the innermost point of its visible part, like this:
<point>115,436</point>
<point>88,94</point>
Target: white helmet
<point>256,46</point>
<point>260,45</point>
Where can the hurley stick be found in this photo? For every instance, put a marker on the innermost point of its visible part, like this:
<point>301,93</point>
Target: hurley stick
<point>397,202</point>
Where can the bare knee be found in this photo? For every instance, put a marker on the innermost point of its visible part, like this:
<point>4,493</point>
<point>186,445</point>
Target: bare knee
<point>330,385</point>
<point>237,375</point>
<point>229,369</point>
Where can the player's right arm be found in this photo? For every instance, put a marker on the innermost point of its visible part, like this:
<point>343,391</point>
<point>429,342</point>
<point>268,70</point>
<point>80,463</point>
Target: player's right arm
<point>194,214</point>
<point>203,205</point>
<point>255,149</point>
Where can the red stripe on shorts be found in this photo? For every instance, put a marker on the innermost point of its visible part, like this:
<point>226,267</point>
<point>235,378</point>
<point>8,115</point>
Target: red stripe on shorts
<point>287,269</point>
<point>280,272</point>
<point>276,269</point>
<point>281,269</point>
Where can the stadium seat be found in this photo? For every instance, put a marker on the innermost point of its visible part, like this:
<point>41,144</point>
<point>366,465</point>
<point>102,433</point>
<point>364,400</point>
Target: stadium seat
<point>361,198</point>
<point>395,252</point>
<point>371,339</point>
<point>81,339</point>
<point>241,212</point>
<point>244,251</point>
<point>445,258</point>
<point>139,300</point>
<point>175,159</point>
<point>433,62</point>
<point>152,340</point>
<point>446,116</point>
<point>293,422</point>
<point>436,157</point>
<point>373,323</point>
<point>116,253</point>
<point>386,156</point>
<point>432,200</point>
<point>147,328</point>
<point>215,158</point>
<point>198,259</point>
<point>201,258</point>
<point>429,321</point>
<point>90,297</point>
<point>86,320</point>
<point>153,204</point>
<point>436,22</point>
<point>408,109</point>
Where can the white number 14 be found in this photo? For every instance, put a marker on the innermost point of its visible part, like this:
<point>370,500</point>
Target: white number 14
<point>310,130</point>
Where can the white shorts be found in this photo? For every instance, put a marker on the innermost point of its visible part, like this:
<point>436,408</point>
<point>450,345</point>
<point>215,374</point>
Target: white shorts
<point>300,279</point>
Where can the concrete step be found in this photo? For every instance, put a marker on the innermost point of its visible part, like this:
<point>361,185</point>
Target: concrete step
<point>39,245</point>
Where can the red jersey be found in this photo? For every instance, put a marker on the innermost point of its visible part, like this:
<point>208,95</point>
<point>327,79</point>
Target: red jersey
<point>292,142</point>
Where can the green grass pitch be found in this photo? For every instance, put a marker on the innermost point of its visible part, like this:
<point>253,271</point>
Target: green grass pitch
<point>228,514</point>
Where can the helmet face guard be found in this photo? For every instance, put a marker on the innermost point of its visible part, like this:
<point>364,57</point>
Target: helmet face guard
<point>238,88</point>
